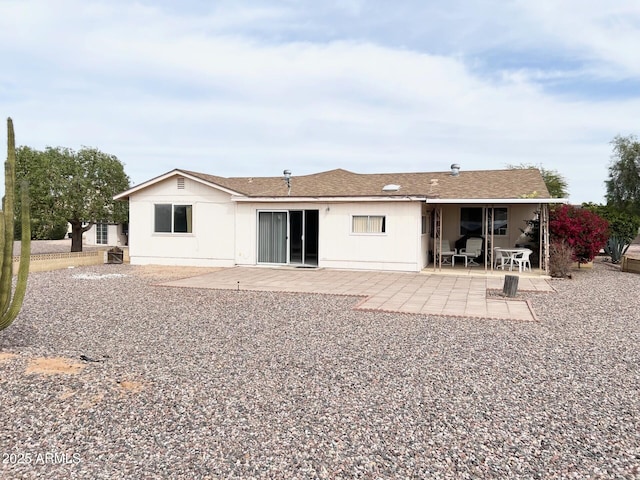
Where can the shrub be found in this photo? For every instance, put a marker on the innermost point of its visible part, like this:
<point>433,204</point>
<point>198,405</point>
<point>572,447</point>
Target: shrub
<point>560,259</point>
<point>43,231</point>
<point>622,225</point>
<point>584,231</point>
<point>623,228</point>
<point>616,248</point>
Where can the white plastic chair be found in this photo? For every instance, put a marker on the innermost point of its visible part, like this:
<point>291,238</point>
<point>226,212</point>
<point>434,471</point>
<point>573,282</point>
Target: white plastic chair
<point>472,249</point>
<point>446,253</point>
<point>522,260</point>
<point>500,259</point>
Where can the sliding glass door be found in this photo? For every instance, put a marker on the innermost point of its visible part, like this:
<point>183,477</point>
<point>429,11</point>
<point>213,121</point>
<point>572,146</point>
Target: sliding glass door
<point>293,232</point>
<point>303,237</point>
<point>272,237</point>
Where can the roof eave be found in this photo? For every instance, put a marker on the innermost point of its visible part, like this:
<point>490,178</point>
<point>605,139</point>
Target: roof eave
<point>403,198</point>
<point>176,172</point>
<point>497,200</point>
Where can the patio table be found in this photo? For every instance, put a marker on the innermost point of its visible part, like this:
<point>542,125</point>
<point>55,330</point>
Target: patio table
<point>510,254</point>
<point>459,255</point>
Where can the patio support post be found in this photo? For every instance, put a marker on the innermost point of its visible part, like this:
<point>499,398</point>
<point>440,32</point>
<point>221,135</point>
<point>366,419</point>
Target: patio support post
<point>493,215</point>
<point>544,237</point>
<point>437,240</point>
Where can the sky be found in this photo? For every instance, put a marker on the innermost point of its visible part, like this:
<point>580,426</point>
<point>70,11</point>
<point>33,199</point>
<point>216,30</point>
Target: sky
<point>250,87</point>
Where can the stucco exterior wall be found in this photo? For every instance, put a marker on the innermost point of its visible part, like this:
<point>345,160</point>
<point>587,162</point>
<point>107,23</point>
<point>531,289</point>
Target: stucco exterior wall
<point>399,248</point>
<point>211,242</point>
<point>225,232</point>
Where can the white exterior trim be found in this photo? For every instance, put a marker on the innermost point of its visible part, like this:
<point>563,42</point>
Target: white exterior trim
<point>226,225</point>
<point>325,199</point>
<point>506,201</point>
<point>173,173</point>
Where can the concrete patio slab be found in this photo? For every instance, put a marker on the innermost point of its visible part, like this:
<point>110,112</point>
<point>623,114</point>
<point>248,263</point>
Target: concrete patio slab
<point>418,293</point>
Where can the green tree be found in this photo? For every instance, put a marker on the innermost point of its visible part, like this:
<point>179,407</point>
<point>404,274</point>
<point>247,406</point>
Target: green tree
<point>73,187</point>
<point>555,182</point>
<point>623,229</point>
<point>622,225</point>
<point>623,186</point>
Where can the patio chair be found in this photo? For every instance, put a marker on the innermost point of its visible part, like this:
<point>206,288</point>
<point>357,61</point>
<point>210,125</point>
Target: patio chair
<point>500,258</point>
<point>446,253</point>
<point>472,249</point>
<point>522,260</point>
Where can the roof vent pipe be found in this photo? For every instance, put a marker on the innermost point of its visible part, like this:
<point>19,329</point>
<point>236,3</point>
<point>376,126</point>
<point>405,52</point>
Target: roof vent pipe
<point>455,169</point>
<point>287,180</point>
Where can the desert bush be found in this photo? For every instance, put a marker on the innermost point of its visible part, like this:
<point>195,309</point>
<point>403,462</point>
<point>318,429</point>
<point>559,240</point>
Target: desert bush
<point>584,231</point>
<point>616,248</point>
<point>623,228</point>
<point>560,259</point>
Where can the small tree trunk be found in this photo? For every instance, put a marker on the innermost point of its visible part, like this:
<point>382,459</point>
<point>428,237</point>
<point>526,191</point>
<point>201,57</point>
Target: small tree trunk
<point>76,237</point>
<point>510,287</point>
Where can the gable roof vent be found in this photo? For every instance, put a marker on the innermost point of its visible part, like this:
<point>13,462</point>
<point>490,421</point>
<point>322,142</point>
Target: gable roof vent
<point>455,169</point>
<point>180,183</point>
<point>391,188</point>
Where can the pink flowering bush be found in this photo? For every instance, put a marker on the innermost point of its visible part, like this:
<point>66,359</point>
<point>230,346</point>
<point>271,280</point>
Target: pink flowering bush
<point>584,231</point>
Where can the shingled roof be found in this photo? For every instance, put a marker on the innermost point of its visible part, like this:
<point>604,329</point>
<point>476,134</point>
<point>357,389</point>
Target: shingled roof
<point>478,184</point>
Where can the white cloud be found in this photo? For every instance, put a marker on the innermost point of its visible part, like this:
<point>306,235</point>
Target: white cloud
<point>604,33</point>
<point>206,91</point>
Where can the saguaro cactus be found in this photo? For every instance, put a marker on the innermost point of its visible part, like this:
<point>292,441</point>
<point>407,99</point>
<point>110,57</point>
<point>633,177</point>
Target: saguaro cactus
<point>10,304</point>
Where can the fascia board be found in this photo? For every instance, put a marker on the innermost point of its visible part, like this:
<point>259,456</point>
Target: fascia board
<point>172,173</point>
<point>244,199</point>
<point>511,201</point>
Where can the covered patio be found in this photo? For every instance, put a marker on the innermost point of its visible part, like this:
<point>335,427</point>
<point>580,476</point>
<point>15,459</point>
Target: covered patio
<point>490,236</point>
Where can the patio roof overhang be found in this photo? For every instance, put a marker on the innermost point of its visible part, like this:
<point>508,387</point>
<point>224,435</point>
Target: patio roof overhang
<point>495,201</point>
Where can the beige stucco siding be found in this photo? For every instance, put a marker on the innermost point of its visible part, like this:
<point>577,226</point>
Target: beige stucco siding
<point>396,249</point>
<point>399,248</point>
<point>211,242</point>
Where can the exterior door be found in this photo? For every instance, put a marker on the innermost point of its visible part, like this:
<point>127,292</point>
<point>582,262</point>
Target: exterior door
<point>272,237</point>
<point>303,237</point>
<point>288,237</point>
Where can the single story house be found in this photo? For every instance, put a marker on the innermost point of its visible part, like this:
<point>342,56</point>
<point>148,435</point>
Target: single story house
<point>333,219</point>
<point>107,234</point>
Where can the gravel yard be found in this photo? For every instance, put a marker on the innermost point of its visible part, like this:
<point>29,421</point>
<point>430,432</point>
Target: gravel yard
<point>222,384</point>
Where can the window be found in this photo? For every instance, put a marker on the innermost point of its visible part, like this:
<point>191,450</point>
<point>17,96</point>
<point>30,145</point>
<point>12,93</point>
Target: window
<point>499,221</point>
<point>423,226</point>
<point>368,224</point>
<point>472,219</point>
<point>101,233</point>
<point>173,218</point>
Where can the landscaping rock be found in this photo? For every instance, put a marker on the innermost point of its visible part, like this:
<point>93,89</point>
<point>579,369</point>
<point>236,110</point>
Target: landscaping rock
<point>227,384</point>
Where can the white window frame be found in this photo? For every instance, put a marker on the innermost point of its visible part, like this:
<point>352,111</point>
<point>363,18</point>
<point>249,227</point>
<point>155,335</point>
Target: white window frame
<point>100,234</point>
<point>369,225</point>
<point>173,219</point>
